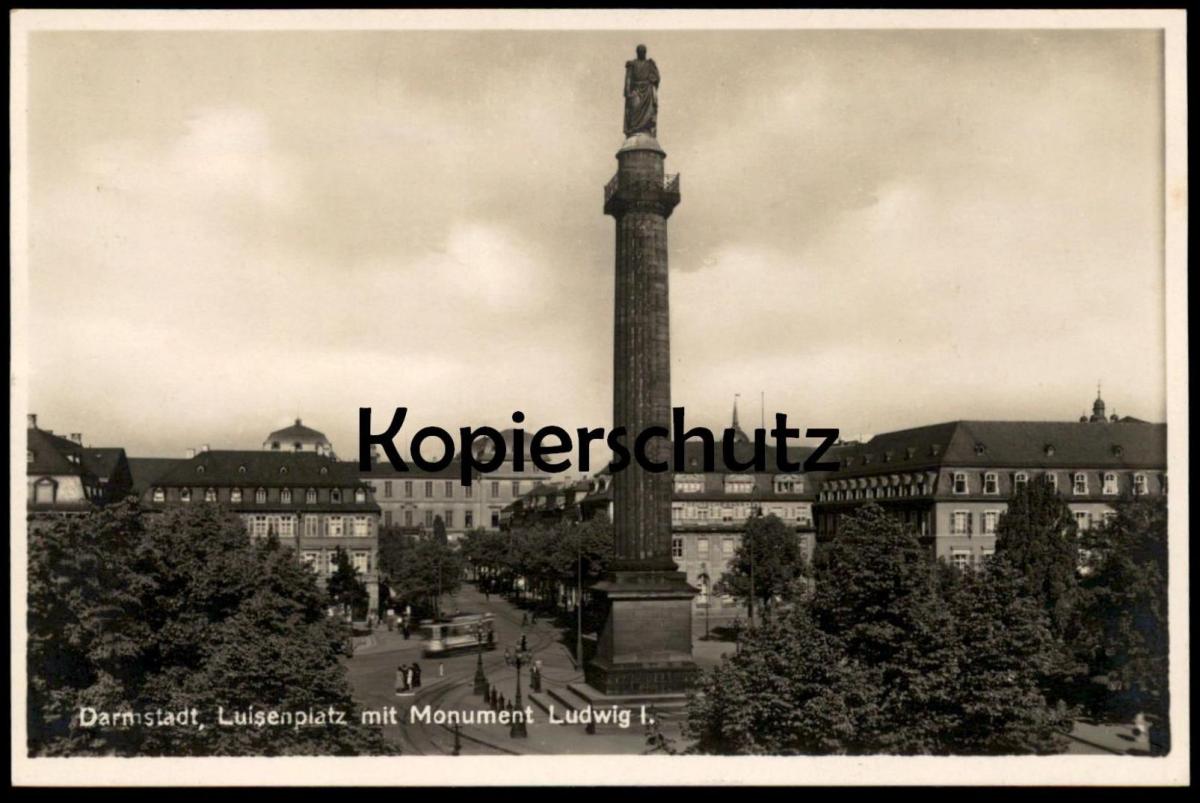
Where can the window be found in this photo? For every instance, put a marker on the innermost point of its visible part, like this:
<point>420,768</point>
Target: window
<point>310,496</point>
<point>738,484</point>
<point>1110,484</point>
<point>287,527</point>
<point>986,556</point>
<point>960,523</point>
<point>495,489</point>
<point>688,483</point>
<point>428,518</point>
<point>677,547</point>
<point>467,491</point>
<point>1083,521</point>
<point>726,514</point>
<point>235,495</point>
<point>960,482</point>
<point>469,519</point>
<point>361,561</point>
<point>160,495</point>
<point>260,526</point>
<point>702,547</point>
<point>387,489</point>
<point>788,483</point>
<point>210,495</point>
<point>1020,479</point>
<point>387,518</point>
<point>408,489</point>
<point>312,560</point>
<point>428,489</point>
<point>727,546</point>
<point>991,483</point>
<point>43,491</point>
<point>360,495</point>
<point>449,519</point>
<point>260,496</point>
<point>516,489</point>
<point>960,559</point>
<point>362,527</point>
<point>450,489</point>
<point>185,495</point>
<point>1052,480</point>
<point>1139,484</point>
<point>408,518</point>
<point>311,525</point>
<point>676,512</point>
<point>495,519</point>
<point>335,496</point>
<point>333,526</point>
<point>702,511</point>
<point>285,496</point>
<point>990,519</point>
<point>28,455</point>
<point>1079,483</point>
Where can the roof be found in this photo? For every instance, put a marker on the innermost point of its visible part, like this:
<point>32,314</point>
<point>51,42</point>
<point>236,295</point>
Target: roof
<point>147,470</point>
<point>383,470</point>
<point>297,431</point>
<point>1034,444</point>
<point>53,454</point>
<point>102,461</point>
<point>260,468</point>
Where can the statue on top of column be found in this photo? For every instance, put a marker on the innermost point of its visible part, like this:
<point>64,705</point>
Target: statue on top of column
<point>641,95</point>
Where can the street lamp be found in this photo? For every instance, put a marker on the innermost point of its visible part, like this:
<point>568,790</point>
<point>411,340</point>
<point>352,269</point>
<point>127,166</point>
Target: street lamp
<point>481,683</point>
<point>516,657</point>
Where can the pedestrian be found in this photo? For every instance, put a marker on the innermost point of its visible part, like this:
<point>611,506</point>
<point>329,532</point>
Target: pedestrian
<point>441,670</point>
<point>491,638</point>
<point>400,679</point>
<point>524,644</point>
<point>409,677</point>
<point>416,670</point>
<point>406,630</point>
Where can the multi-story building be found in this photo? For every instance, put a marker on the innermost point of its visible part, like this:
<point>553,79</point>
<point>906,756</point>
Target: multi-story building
<point>298,438</point>
<point>65,477</point>
<point>951,481</point>
<point>310,501</point>
<point>415,497</point>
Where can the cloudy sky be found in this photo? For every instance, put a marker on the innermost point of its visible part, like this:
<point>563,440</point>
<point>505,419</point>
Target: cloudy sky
<point>878,229</point>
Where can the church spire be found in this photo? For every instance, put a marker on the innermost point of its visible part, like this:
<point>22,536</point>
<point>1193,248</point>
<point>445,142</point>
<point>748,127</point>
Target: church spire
<point>738,435</point>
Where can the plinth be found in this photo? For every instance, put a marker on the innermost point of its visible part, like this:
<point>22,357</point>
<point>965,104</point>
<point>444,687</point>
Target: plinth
<point>646,644</point>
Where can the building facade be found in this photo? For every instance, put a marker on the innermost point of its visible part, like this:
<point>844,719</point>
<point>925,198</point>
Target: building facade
<point>64,477</point>
<point>950,482</point>
<point>311,502</point>
<point>298,438</point>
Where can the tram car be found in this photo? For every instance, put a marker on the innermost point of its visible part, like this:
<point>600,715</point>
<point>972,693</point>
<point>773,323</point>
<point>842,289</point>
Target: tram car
<point>459,634</point>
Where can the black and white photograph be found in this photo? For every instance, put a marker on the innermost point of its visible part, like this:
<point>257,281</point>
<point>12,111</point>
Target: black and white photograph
<point>416,391</point>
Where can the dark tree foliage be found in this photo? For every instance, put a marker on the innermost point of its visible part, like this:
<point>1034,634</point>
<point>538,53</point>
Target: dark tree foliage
<point>778,562</point>
<point>894,653</point>
<point>1123,607</point>
<point>174,612</point>
<point>418,568</point>
<point>345,587</point>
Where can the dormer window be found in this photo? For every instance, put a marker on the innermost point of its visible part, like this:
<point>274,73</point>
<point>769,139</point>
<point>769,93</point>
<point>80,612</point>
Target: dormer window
<point>260,496</point>
<point>935,449</point>
<point>960,482</point>
<point>980,448</point>
<point>1118,450</point>
<point>991,483</point>
<point>283,470</point>
<point>738,484</point>
<point>1052,479</point>
<point>185,495</point>
<point>324,470</point>
<point>360,495</point>
<point>788,484</point>
<point>159,495</point>
<point>285,496</point>
<point>310,496</point>
<point>1139,484</point>
<point>199,469</point>
<point>235,495</point>
<point>1048,449</point>
<point>1020,479</point>
<point>1079,484</point>
<point>335,496</point>
<point>241,469</point>
<point>910,453</point>
<point>1110,484</point>
<point>210,495</point>
<point>887,456</point>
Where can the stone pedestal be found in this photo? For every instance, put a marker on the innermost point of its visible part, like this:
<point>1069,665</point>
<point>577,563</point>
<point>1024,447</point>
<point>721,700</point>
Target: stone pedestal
<point>646,644</point>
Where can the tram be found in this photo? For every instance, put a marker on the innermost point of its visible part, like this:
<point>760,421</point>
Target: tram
<point>459,634</point>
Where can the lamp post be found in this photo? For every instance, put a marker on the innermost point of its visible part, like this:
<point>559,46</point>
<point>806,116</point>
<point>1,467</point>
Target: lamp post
<point>517,657</point>
<point>707,602</point>
<point>481,684</point>
<point>579,599</point>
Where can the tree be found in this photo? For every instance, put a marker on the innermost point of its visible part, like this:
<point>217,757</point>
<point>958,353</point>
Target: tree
<point>439,530</point>
<point>129,612</point>
<point>1123,605</point>
<point>791,689</point>
<point>773,550</point>
<point>1036,536</point>
<point>344,586</point>
<point>1006,648</point>
<point>878,596</point>
<point>418,568</point>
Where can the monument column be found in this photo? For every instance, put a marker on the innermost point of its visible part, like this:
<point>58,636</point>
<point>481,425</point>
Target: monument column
<point>646,644</point>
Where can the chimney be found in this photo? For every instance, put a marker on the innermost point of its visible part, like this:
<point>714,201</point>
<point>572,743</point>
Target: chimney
<point>374,453</point>
<point>33,421</point>
<point>191,453</point>
<point>77,437</point>
<point>204,448</point>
